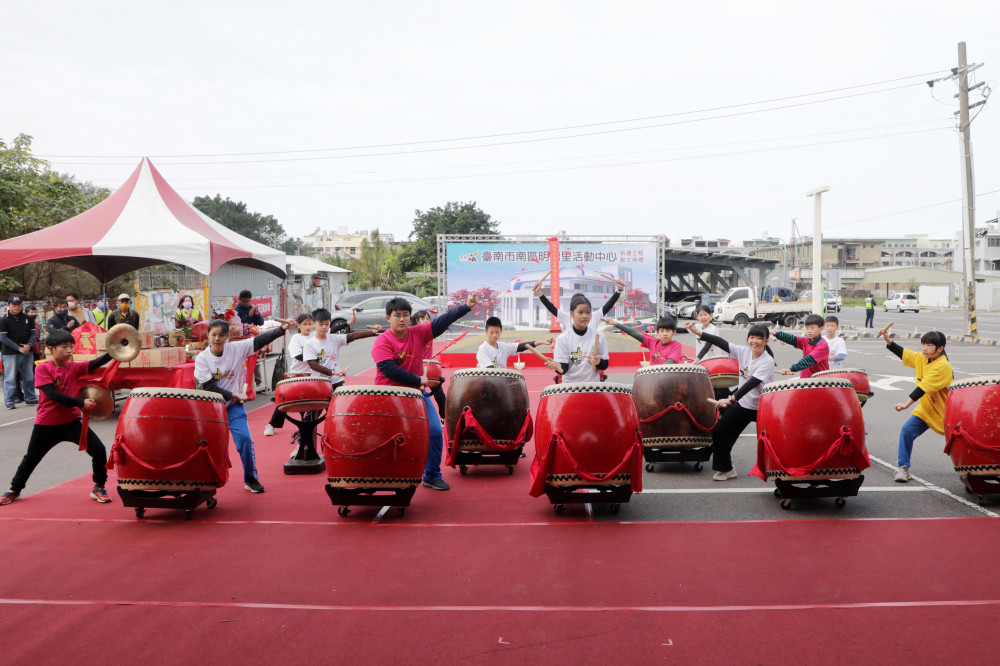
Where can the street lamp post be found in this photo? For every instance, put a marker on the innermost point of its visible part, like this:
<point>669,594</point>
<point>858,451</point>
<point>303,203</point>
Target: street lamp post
<point>817,265</point>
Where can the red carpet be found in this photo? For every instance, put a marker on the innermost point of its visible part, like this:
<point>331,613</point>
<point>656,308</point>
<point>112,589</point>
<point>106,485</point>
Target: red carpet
<point>483,573</point>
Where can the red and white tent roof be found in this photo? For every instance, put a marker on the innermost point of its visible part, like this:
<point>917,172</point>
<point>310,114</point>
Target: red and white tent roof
<point>144,223</point>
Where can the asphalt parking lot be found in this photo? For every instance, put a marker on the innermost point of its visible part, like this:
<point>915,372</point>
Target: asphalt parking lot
<point>678,492</point>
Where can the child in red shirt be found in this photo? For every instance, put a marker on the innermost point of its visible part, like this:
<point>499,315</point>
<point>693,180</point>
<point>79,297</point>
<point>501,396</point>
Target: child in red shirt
<point>59,418</point>
<point>815,351</point>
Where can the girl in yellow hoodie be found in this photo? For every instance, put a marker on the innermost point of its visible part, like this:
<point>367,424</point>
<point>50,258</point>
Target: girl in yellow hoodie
<point>934,376</point>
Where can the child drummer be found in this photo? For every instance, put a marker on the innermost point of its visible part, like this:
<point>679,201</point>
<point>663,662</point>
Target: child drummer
<point>222,369</point>
<point>298,367</point>
<point>815,350</point>
<point>566,318</point>
<point>581,351</point>
<point>59,418</point>
<point>493,353</point>
<point>756,363</point>
<point>399,354</point>
<point>322,351</point>
<point>837,344</point>
<point>934,376</point>
<point>662,346</point>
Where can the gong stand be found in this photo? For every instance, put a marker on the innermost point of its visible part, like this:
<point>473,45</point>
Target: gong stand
<point>307,459</point>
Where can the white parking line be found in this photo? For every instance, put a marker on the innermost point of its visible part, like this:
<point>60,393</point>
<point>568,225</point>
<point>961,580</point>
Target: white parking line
<point>4,425</point>
<point>939,489</point>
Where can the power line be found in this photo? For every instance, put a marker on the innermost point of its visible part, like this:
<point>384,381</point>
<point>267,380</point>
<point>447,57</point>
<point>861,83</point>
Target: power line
<point>908,210</point>
<point>501,143</point>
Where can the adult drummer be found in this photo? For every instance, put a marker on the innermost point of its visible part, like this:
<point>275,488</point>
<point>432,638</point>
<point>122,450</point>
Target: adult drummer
<point>581,351</point>
<point>399,357</point>
<point>222,369</point>
<point>756,363</point>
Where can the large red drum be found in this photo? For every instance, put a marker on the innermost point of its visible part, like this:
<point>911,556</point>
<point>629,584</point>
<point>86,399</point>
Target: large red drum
<point>672,402</point>
<point>432,369</point>
<point>810,429</point>
<point>302,394</point>
<point>724,372</point>
<point>587,433</point>
<point>495,399</point>
<point>375,437</point>
<point>857,377</point>
<point>171,439</point>
<point>972,426</point>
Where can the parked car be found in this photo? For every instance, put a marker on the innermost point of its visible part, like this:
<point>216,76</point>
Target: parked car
<point>900,302</point>
<point>369,307</point>
<point>833,302</point>
<point>689,309</point>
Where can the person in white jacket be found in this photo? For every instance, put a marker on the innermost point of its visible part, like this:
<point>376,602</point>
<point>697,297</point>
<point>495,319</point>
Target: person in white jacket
<point>837,344</point>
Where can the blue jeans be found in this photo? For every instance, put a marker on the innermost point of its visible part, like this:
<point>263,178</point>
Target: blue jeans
<point>23,365</point>
<point>432,470</point>
<point>913,428</point>
<point>244,443</point>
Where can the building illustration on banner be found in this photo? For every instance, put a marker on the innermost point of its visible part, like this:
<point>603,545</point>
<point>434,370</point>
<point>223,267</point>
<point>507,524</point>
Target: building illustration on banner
<point>503,275</point>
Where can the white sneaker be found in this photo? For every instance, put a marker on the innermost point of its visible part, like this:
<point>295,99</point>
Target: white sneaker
<point>295,452</point>
<point>902,474</point>
<point>724,476</point>
<point>268,430</point>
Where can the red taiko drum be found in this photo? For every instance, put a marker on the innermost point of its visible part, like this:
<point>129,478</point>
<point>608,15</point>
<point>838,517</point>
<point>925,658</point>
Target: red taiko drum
<point>172,439</point>
<point>672,402</point>
<point>972,426</point>
<point>432,369</point>
<point>857,377</point>
<point>810,429</point>
<point>376,437</point>
<point>587,433</point>
<point>497,399</point>
<point>302,394</point>
<point>724,372</point>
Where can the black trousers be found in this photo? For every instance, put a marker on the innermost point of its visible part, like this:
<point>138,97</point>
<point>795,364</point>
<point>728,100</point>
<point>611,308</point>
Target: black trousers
<point>439,398</point>
<point>44,437</point>
<point>731,424</point>
<point>869,318</point>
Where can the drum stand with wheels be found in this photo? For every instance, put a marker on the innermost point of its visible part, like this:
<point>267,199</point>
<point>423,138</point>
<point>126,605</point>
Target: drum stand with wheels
<point>344,498</point>
<point>307,460</point>
<point>612,495</point>
<point>980,486</point>
<point>786,491</point>
<point>465,458</point>
<point>185,500</point>
<point>697,455</point>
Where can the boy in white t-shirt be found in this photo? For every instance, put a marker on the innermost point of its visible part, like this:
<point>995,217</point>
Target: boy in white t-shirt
<point>837,344</point>
<point>222,369</point>
<point>574,354</point>
<point>297,367</point>
<point>322,351</point>
<point>493,353</point>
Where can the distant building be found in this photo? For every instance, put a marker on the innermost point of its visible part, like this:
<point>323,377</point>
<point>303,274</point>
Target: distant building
<point>699,243</point>
<point>343,244</point>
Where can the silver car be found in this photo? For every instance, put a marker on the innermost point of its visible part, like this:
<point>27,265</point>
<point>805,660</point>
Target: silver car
<point>371,310</point>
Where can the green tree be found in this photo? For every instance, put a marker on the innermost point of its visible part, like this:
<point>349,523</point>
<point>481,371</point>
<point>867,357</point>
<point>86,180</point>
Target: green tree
<point>454,218</point>
<point>376,267</point>
<point>234,215</point>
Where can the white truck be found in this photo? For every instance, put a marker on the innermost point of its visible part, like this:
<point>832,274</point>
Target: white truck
<point>741,305</point>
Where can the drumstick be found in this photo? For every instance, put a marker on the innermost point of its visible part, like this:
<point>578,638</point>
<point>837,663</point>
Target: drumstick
<point>539,283</point>
<point>243,390</point>
<point>610,277</point>
<point>884,330</point>
<point>538,353</point>
<point>595,360</point>
<point>713,401</point>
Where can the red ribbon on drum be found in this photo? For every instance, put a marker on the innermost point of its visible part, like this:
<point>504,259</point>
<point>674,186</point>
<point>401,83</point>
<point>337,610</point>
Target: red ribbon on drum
<point>120,454</point>
<point>679,407</point>
<point>843,445</point>
<point>959,431</point>
<point>468,421</point>
<point>397,440</point>
<point>542,467</point>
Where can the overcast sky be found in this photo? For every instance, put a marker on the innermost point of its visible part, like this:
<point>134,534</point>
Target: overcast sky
<point>313,87</point>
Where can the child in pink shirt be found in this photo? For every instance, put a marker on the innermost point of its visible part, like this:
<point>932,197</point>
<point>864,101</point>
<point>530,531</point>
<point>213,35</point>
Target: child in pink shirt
<point>662,346</point>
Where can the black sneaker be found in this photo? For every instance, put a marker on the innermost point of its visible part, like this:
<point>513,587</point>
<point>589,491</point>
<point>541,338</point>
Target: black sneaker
<point>9,497</point>
<point>253,486</point>
<point>436,484</point>
<point>10,405</point>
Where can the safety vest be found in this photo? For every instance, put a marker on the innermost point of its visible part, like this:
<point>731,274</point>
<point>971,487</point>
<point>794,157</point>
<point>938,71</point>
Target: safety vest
<point>99,319</point>
<point>869,303</point>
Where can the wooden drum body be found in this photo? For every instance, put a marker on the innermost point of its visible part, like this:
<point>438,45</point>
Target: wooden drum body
<point>172,439</point>
<point>672,403</point>
<point>302,394</point>
<point>375,437</point>
<point>809,429</point>
<point>724,372</point>
<point>498,401</point>
<point>972,426</point>
<point>587,433</point>
<point>854,375</point>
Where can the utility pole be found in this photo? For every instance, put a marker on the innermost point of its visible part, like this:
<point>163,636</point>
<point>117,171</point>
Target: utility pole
<point>817,261</point>
<point>968,193</point>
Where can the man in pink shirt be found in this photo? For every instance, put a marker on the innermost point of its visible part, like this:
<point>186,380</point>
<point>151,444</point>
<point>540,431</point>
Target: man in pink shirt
<point>399,357</point>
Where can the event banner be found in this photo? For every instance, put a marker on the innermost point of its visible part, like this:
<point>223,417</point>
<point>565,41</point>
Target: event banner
<point>502,276</point>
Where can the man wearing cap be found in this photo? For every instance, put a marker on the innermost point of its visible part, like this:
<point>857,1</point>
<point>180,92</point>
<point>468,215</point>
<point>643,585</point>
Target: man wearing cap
<point>124,315</point>
<point>17,334</point>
